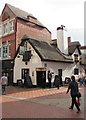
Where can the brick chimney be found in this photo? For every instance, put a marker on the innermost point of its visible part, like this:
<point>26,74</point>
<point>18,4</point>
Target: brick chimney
<point>69,40</point>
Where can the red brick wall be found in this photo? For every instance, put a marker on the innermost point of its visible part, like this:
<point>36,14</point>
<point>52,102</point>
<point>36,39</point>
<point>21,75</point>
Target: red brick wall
<point>23,28</point>
<point>10,38</point>
<point>5,17</point>
<point>32,30</point>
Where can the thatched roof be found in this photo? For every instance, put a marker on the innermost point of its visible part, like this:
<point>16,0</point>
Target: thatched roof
<point>45,51</point>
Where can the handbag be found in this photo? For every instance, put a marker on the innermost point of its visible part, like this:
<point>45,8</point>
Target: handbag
<point>78,102</point>
<point>78,94</point>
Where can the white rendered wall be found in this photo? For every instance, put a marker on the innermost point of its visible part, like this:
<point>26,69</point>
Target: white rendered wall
<point>34,63</point>
<point>67,69</point>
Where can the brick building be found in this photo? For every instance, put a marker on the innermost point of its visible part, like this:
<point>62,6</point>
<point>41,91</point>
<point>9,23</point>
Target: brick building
<point>15,23</point>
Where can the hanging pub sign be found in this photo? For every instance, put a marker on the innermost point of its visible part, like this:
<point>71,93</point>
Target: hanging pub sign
<point>27,56</point>
<point>21,51</point>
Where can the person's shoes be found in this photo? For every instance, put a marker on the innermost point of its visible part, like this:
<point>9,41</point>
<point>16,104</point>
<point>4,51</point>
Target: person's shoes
<point>3,93</point>
<point>70,108</point>
<point>78,111</point>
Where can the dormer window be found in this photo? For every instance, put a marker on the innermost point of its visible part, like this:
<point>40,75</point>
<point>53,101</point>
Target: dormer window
<point>11,26</point>
<point>76,58</point>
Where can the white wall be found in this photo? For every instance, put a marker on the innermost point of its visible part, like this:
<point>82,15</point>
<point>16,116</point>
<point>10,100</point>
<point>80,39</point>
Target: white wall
<point>34,63</point>
<point>66,69</point>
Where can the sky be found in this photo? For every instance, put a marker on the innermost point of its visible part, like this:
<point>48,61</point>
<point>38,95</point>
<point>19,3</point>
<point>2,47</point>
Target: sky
<point>54,13</point>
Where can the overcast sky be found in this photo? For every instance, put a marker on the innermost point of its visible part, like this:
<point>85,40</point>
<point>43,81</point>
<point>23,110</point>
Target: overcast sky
<point>53,13</point>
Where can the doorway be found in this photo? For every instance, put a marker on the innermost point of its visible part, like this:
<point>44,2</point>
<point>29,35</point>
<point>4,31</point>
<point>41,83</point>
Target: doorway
<point>41,78</point>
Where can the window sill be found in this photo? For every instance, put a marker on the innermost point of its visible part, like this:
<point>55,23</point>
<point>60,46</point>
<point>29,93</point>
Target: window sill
<point>7,34</point>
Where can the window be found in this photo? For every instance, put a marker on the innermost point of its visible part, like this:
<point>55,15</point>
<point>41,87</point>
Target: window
<point>0,52</point>
<point>60,72</point>
<point>5,50</point>
<point>76,71</point>
<point>24,72</point>
<point>5,28</point>
<point>0,31</point>
<point>9,48</point>
<point>11,26</point>
<point>76,58</point>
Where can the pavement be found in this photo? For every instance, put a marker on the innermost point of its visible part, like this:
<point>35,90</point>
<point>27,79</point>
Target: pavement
<point>39,103</point>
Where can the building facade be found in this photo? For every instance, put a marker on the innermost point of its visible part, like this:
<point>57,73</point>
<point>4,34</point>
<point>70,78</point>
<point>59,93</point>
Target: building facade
<point>15,23</point>
<point>44,57</point>
<point>25,47</point>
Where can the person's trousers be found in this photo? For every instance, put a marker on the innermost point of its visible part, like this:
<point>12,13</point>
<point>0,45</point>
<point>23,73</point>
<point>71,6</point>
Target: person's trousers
<point>3,89</point>
<point>74,102</point>
<point>49,83</point>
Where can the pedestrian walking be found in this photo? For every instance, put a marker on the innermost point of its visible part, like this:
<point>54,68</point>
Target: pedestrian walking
<point>49,78</point>
<point>56,81</point>
<point>73,87</point>
<point>4,82</point>
<point>81,80</point>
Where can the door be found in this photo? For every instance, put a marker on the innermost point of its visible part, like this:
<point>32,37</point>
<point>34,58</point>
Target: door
<point>41,78</point>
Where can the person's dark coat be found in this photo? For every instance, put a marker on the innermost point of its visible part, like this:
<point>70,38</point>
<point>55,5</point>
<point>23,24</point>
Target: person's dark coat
<point>57,81</point>
<point>74,88</point>
<point>49,76</point>
<point>28,81</point>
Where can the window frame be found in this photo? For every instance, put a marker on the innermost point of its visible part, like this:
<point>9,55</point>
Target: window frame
<point>5,28</point>
<point>11,26</point>
<point>5,49</point>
